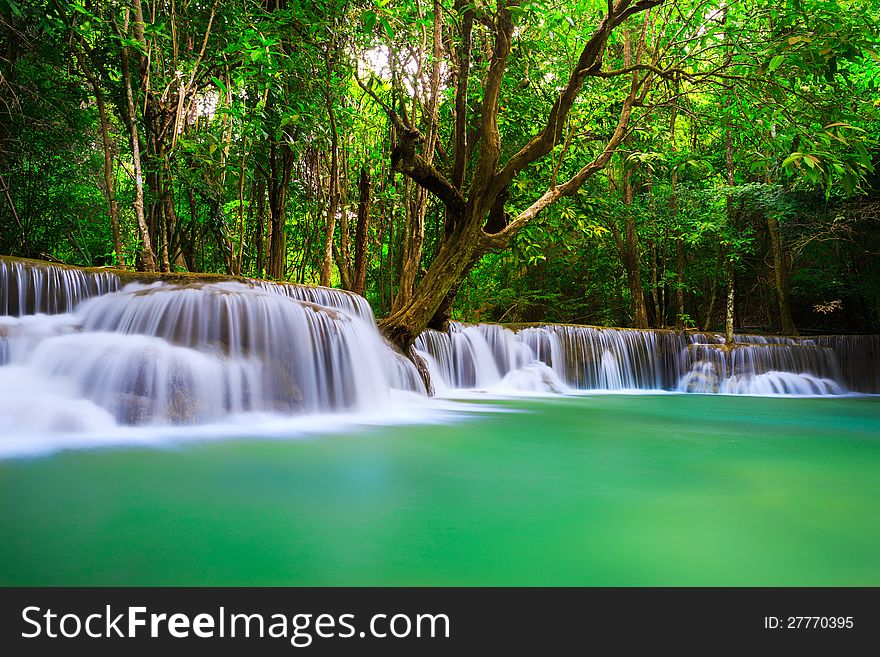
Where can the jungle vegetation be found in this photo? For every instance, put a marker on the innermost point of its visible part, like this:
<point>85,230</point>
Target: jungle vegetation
<point>648,163</point>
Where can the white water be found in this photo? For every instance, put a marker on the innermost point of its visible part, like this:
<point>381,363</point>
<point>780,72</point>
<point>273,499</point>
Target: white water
<point>80,355</point>
<point>28,289</point>
<point>170,355</point>
<point>558,358</point>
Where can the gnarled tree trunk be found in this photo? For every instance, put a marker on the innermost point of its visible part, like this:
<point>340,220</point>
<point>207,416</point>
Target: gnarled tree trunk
<point>476,220</point>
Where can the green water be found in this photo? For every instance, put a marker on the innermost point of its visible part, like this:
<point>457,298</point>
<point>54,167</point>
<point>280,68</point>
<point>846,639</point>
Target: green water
<point>600,490</point>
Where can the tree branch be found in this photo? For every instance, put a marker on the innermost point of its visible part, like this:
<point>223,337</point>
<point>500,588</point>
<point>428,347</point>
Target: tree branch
<point>590,60</point>
<point>572,185</point>
<point>402,125</point>
<point>405,160</point>
<point>490,147</point>
<point>461,94</point>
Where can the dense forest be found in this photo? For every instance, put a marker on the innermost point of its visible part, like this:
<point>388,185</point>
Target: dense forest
<point>644,163</point>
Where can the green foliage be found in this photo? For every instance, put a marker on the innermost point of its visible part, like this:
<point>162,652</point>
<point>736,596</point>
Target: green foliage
<point>794,86</point>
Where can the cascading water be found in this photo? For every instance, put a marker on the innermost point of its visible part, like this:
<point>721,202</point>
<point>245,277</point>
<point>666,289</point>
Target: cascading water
<point>31,287</point>
<point>170,354</point>
<point>80,351</point>
<point>350,304</point>
<point>762,368</point>
<point>590,358</point>
<point>859,359</point>
<point>484,356</point>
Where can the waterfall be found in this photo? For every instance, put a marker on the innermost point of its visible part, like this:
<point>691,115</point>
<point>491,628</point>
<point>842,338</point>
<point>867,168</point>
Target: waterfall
<point>80,351</point>
<point>349,303</point>
<point>759,367</point>
<point>30,287</point>
<point>593,358</point>
<point>436,349</point>
<point>184,354</point>
<point>484,356</point>
<point>859,359</point>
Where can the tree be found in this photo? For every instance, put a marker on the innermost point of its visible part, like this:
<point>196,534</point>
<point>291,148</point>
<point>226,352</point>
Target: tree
<point>512,152</point>
<point>476,220</point>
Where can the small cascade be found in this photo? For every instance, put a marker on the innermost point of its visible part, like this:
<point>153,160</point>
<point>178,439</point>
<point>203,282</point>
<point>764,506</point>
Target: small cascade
<point>486,357</point>
<point>785,368</point>
<point>745,338</point>
<point>541,343</point>
<point>435,348</point>
<point>30,287</point>
<point>402,373</point>
<point>296,356</point>
<point>607,359</point>
<point>475,365</point>
<point>781,383</point>
<point>859,359</point>
<point>535,377</point>
<point>351,304</point>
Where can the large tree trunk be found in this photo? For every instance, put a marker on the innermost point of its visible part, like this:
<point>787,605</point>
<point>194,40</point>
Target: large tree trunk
<point>629,246</point>
<point>147,256</point>
<point>281,168</point>
<point>359,279</point>
<point>456,257</point>
<point>629,254</point>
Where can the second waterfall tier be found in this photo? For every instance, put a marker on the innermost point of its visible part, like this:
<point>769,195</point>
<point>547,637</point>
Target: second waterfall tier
<point>554,357</point>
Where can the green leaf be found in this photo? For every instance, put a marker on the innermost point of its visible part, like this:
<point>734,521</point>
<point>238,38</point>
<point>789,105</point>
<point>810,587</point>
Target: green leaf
<point>369,20</point>
<point>385,24</point>
<point>791,158</point>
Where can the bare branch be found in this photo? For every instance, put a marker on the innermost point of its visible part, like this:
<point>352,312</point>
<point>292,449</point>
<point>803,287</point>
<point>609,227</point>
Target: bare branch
<point>405,160</point>
<point>490,148</point>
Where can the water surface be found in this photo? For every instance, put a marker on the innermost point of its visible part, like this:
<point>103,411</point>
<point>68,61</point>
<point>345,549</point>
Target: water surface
<point>594,490</point>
